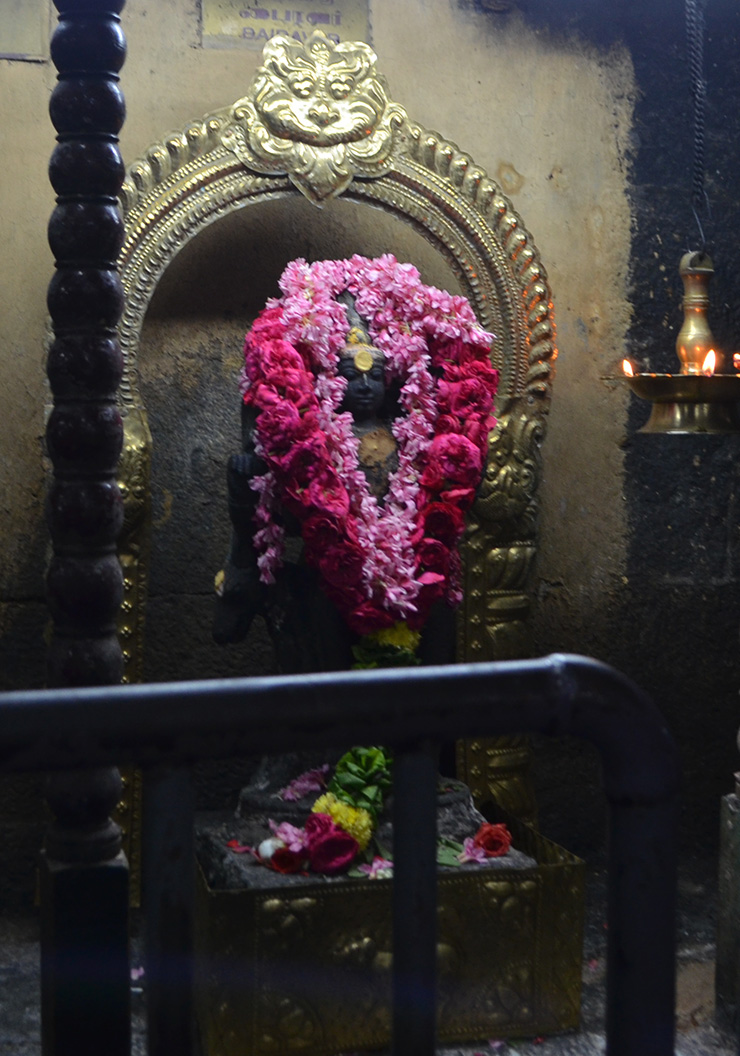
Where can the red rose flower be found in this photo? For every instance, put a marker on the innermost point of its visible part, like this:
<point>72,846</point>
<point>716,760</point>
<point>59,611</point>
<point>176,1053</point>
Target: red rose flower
<point>474,368</point>
<point>342,565</point>
<point>280,387</point>
<point>276,356</point>
<point>481,368</point>
<point>494,839</point>
<point>318,825</point>
<point>464,397</point>
<point>367,617</point>
<point>444,402</point>
<point>452,459</point>
<point>320,531</point>
<point>330,849</point>
<point>432,580</point>
<point>284,860</point>
<point>470,396</point>
<point>446,423</point>
<point>433,588</point>
<point>443,521</point>
<point>445,353</point>
<point>433,556</point>
<point>298,466</point>
<point>269,324</point>
<point>332,852</point>
<point>281,426</point>
<point>327,494</point>
<point>476,429</point>
<point>346,599</point>
<point>292,385</point>
<point>258,349</point>
<point>463,498</point>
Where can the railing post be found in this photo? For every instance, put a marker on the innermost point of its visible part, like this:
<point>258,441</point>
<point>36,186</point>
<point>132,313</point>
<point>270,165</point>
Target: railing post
<point>414,900</point>
<point>85,972</point>
<point>169,908</point>
<point>641,988</point>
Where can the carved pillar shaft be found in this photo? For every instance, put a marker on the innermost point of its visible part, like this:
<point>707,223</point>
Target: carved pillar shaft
<point>85,300</point>
<point>84,875</point>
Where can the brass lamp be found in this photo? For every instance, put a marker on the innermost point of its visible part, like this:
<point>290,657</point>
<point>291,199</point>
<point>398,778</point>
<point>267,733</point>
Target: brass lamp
<point>699,399</point>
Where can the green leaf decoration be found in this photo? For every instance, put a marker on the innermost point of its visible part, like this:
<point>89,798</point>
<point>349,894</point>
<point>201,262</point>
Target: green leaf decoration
<point>448,851</point>
<point>362,777</point>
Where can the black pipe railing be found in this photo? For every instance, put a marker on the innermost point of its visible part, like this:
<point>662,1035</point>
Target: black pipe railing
<point>171,725</point>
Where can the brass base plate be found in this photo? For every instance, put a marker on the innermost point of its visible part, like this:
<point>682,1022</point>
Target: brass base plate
<point>689,403</point>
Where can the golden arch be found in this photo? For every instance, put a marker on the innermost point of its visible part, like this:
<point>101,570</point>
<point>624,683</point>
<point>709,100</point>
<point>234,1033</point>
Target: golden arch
<point>212,167</point>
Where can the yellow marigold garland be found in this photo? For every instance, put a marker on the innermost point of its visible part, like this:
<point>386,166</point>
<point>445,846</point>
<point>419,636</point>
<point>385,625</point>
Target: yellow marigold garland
<point>399,635</point>
<point>354,820</point>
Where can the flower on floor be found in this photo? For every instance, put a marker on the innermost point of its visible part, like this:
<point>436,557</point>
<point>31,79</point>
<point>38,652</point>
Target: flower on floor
<point>331,849</point>
<point>321,846</point>
<point>356,821</point>
<point>305,784</point>
<point>379,869</point>
<point>470,852</point>
<point>275,854</point>
<point>494,840</point>
<point>239,848</point>
<point>490,841</point>
<point>290,836</point>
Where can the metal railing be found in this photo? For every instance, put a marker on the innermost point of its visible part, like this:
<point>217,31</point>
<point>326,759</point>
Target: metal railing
<point>164,728</point>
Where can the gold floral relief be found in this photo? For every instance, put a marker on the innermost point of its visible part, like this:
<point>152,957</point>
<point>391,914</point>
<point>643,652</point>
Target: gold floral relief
<point>317,112</point>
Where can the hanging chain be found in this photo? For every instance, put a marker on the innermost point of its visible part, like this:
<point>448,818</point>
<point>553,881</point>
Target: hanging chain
<point>695,41</point>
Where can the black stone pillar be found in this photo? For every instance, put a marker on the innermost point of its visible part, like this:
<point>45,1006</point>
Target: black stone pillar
<point>84,875</point>
<point>85,299</point>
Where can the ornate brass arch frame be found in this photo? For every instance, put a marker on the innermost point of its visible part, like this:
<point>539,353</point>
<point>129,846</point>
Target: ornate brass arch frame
<point>227,161</point>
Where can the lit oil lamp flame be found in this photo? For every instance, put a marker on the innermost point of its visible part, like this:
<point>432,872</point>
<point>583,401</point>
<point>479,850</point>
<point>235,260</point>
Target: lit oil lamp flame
<point>736,360</point>
<point>710,362</point>
<point>628,368</point>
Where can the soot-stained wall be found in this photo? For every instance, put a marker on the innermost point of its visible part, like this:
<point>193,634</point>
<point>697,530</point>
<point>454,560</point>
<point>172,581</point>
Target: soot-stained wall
<point>672,622</point>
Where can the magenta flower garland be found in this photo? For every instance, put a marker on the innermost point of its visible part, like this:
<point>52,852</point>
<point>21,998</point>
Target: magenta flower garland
<point>379,564</point>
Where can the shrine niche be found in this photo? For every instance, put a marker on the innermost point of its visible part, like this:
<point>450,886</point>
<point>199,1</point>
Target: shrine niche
<point>319,124</point>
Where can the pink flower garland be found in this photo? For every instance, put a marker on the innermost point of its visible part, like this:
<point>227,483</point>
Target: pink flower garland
<point>377,564</point>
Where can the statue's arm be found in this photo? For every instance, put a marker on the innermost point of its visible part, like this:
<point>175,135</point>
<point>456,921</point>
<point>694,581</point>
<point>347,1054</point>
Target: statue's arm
<point>240,594</point>
<point>240,470</point>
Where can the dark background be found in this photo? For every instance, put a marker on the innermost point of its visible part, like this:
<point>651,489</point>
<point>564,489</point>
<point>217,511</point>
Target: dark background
<point>674,627</point>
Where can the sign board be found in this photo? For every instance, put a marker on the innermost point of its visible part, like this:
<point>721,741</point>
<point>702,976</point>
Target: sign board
<point>250,23</point>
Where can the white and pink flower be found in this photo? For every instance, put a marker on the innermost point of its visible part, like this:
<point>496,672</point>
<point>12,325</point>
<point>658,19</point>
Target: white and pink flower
<point>378,869</point>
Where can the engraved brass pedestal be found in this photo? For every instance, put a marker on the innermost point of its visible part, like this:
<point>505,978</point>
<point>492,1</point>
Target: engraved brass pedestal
<point>307,969</point>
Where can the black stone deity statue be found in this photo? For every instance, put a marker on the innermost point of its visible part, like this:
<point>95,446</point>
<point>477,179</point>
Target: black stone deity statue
<point>307,630</point>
